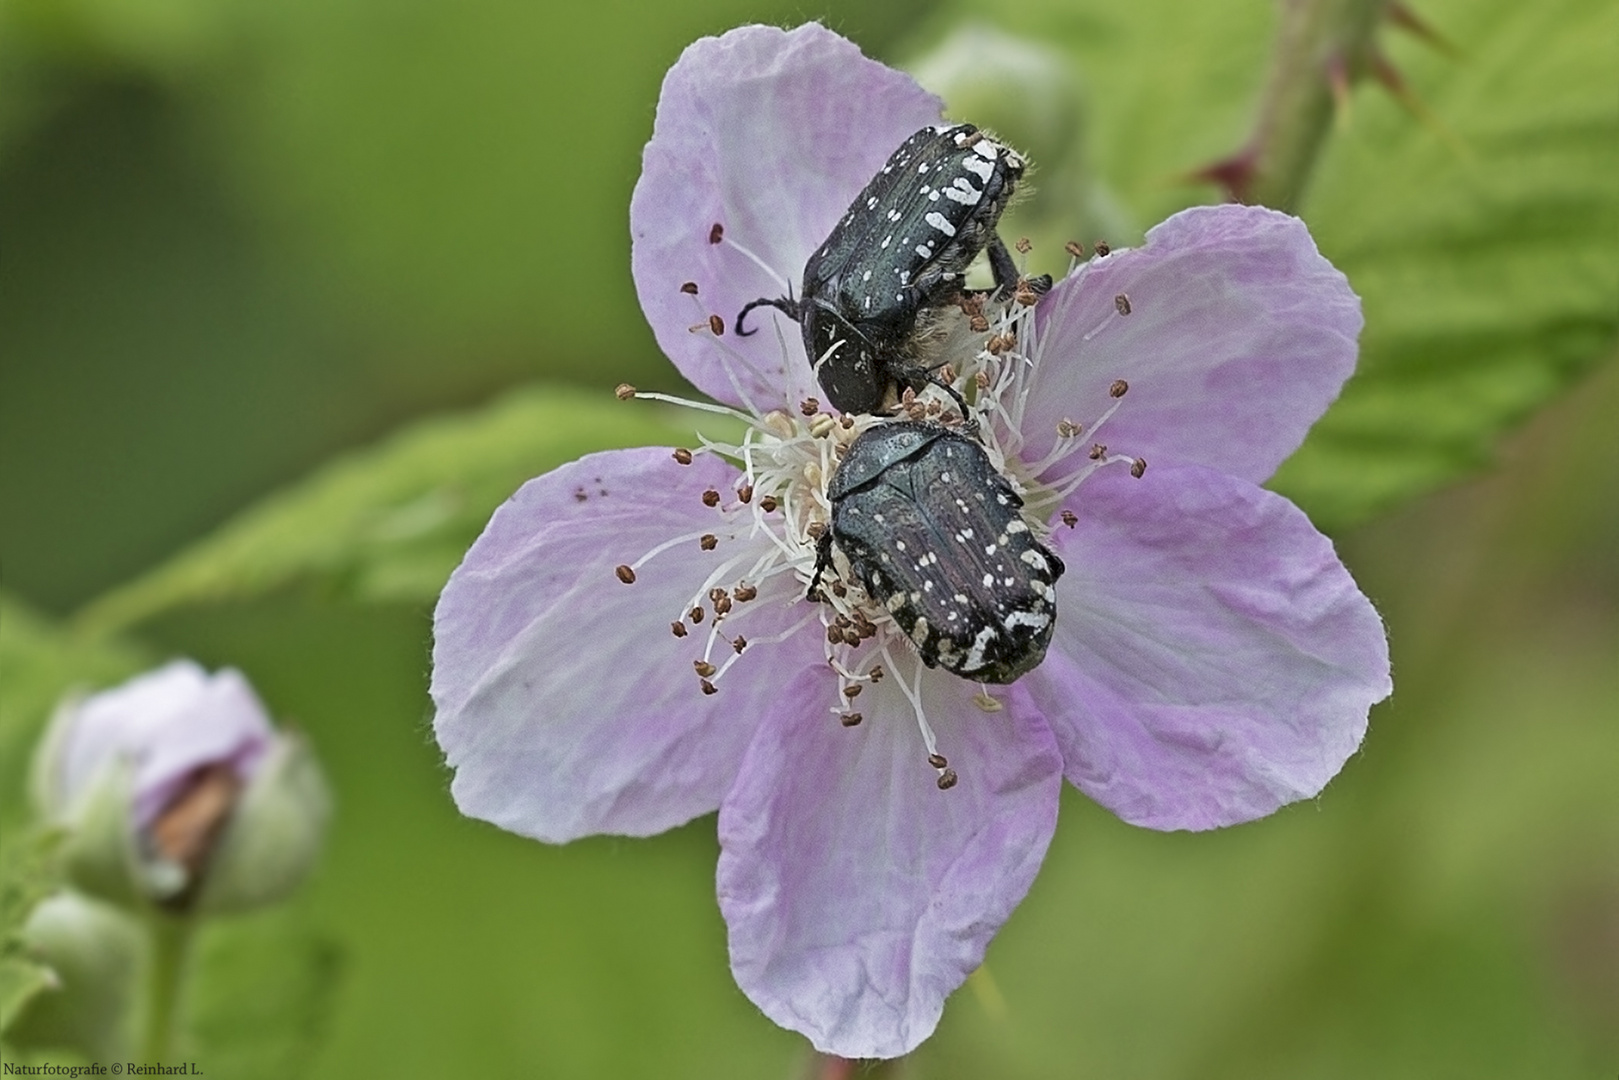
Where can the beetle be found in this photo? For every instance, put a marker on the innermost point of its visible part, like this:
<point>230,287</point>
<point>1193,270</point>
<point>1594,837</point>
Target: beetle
<point>902,249</point>
<point>935,535</point>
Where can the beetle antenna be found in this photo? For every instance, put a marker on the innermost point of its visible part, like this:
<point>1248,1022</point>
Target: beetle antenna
<point>784,304</point>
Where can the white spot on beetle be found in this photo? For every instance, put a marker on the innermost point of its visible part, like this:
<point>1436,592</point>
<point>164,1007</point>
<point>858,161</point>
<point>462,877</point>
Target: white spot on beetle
<point>980,167</point>
<point>937,220</point>
<point>1034,620</point>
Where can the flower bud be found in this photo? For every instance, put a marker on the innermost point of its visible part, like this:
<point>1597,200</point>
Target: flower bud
<point>176,792</point>
<point>1029,95</point>
<point>1022,90</point>
<point>93,954</point>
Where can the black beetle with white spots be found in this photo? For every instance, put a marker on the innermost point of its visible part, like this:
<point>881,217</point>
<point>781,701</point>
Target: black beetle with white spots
<point>901,251</point>
<point>934,534</point>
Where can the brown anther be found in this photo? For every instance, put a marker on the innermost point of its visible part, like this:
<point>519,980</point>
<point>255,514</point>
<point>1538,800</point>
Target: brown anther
<point>678,629</point>
<point>998,344</point>
<point>716,594</point>
<point>840,620</point>
<point>1069,518</point>
<point>982,380</point>
<point>695,615</point>
<point>947,780</point>
<point>1075,248</point>
<point>1098,451</point>
<point>745,493</point>
<point>1103,248</point>
<point>743,593</point>
<point>816,528</point>
<point>689,288</point>
<point>1026,295</point>
<point>682,455</point>
<point>625,574</point>
<point>809,406</point>
<point>937,761</point>
<point>839,590</point>
<point>1067,429</point>
<point>846,422</point>
<point>1118,389</point>
<point>834,635</point>
<point>1122,303</point>
<point>850,719</point>
<point>876,673</point>
<point>947,374</point>
<point>708,542</point>
<point>716,234</point>
<point>977,324</point>
<point>852,692</point>
<point>851,637</point>
<point>841,450</point>
<point>708,687</point>
<point>711,498</point>
<point>722,606</point>
<point>1024,245</point>
<point>739,644</point>
<point>703,668</point>
<point>934,408</point>
<point>624,392</point>
<point>716,325</point>
<point>915,410</point>
<point>1138,468</point>
<point>768,504</point>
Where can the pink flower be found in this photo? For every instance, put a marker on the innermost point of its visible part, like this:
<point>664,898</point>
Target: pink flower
<point>1212,660</point>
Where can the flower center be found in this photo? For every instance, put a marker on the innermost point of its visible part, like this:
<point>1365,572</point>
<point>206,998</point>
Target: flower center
<point>764,534</point>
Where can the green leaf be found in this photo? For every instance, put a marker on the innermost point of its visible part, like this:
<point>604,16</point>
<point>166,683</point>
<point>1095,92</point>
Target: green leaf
<point>1485,246</point>
<point>389,522</point>
<point>1482,232</point>
<point>27,876</point>
<point>263,994</point>
<point>20,981</point>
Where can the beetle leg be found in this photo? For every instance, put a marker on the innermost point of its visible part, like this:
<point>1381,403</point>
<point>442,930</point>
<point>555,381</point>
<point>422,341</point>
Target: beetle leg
<point>1002,266</point>
<point>823,560</point>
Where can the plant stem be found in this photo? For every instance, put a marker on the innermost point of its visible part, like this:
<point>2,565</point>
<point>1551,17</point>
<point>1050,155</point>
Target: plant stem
<point>171,946</point>
<point>1322,47</point>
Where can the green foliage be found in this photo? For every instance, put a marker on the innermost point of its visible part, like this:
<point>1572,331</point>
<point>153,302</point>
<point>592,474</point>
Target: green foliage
<point>1482,234</point>
<point>390,522</point>
<point>1485,244</point>
<point>27,876</point>
<point>263,994</point>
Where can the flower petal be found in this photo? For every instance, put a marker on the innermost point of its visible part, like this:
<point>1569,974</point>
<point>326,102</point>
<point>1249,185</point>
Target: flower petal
<point>565,705</point>
<point>168,722</point>
<point>768,134</point>
<point>1238,337</point>
<point>1213,659</point>
<point>858,895</point>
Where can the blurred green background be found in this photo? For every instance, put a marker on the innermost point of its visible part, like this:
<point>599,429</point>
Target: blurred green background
<point>237,238</point>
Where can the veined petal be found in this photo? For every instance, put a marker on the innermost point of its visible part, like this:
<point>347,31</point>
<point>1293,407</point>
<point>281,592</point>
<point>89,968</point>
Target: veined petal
<point>1213,659</point>
<point>767,134</point>
<point>858,895</point>
<point>564,703</point>
<point>1238,337</point>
